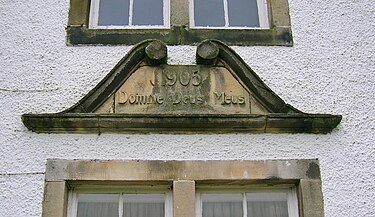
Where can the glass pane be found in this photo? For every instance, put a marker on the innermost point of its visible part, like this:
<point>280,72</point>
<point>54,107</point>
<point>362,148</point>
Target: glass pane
<point>98,205</point>
<point>243,13</point>
<point>268,204</point>
<point>144,205</point>
<point>148,12</point>
<point>209,13</point>
<point>113,12</point>
<point>222,205</point>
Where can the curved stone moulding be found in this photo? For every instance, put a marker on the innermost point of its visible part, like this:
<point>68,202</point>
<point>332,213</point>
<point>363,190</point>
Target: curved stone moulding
<point>220,94</point>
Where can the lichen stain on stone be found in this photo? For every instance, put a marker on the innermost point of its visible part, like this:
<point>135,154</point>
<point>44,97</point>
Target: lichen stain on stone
<point>313,171</point>
<point>167,169</point>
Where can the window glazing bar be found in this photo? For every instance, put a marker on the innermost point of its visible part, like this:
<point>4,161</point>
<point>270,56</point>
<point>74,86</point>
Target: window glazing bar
<point>226,15</point>
<point>131,5</point>
<point>244,204</point>
<point>121,205</point>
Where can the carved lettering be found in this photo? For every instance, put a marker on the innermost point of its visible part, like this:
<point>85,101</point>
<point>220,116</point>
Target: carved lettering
<point>169,78</point>
<point>176,98</point>
<point>159,100</point>
<point>226,99</point>
<point>151,99</point>
<point>199,99</point>
<point>193,99</point>
<point>132,99</point>
<point>179,98</point>
<point>184,78</point>
<point>139,99</point>
<point>185,99</point>
<point>122,97</point>
<point>241,100</point>
<point>218,96</point>
<point>180,90</point>
<point>196,79</point>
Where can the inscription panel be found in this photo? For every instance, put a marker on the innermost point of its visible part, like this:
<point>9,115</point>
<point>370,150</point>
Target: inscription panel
<point>181,90</point>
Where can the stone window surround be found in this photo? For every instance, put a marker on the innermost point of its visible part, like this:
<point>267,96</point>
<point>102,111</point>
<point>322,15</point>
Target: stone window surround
<point>78,31</point>
<point>184,177</point>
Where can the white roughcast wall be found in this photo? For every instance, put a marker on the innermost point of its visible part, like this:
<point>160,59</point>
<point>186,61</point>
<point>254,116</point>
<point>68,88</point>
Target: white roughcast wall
<point>330,69</point>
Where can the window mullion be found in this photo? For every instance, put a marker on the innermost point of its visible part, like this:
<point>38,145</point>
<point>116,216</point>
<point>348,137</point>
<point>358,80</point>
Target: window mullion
<point>131,4</point>
<point>244,204</point>
<point>198,205</point>
<point>226,14</point>
<point>179,12</point>
<point>121,205</point>
<point>168,204</point>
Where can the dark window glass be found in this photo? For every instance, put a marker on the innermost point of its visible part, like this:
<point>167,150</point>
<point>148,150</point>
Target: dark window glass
<point>148,12</point>
<point>113,12</point>
<point>243,13</point>
<point>209,13</point>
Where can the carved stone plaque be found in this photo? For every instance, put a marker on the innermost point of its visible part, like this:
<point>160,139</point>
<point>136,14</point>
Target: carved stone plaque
<point>174,89</point>
<point>143,93</point>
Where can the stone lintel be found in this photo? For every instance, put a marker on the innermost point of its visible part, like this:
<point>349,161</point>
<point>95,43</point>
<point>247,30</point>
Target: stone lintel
<point>158,170</point>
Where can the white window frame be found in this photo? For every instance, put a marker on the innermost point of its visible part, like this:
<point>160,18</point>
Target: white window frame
<point>262,13</point>
<point>94,17</point>
<point>73,197</point>
<point>291,191</point>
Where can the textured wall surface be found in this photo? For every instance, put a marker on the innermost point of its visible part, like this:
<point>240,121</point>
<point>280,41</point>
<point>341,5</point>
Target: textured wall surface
<point>330,69</point>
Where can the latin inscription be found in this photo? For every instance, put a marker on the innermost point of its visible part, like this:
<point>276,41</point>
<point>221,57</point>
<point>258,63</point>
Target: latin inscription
<point>177,98</point>
<point>139,99</point>
<point>185,79</point>
<point>226,99</point>
<point>182,90</point>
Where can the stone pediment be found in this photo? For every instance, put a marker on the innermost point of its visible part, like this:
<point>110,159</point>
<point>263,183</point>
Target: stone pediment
<point>142,93</point>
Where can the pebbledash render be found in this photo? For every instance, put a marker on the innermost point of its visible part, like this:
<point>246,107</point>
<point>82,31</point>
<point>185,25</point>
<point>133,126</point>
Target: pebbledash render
<point>185,113</point>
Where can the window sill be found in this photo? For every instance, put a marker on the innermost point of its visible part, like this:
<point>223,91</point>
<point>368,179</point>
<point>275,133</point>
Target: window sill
<point>278,36</point>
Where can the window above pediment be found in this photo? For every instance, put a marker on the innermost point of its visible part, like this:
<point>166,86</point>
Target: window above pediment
<point>244,22</point>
